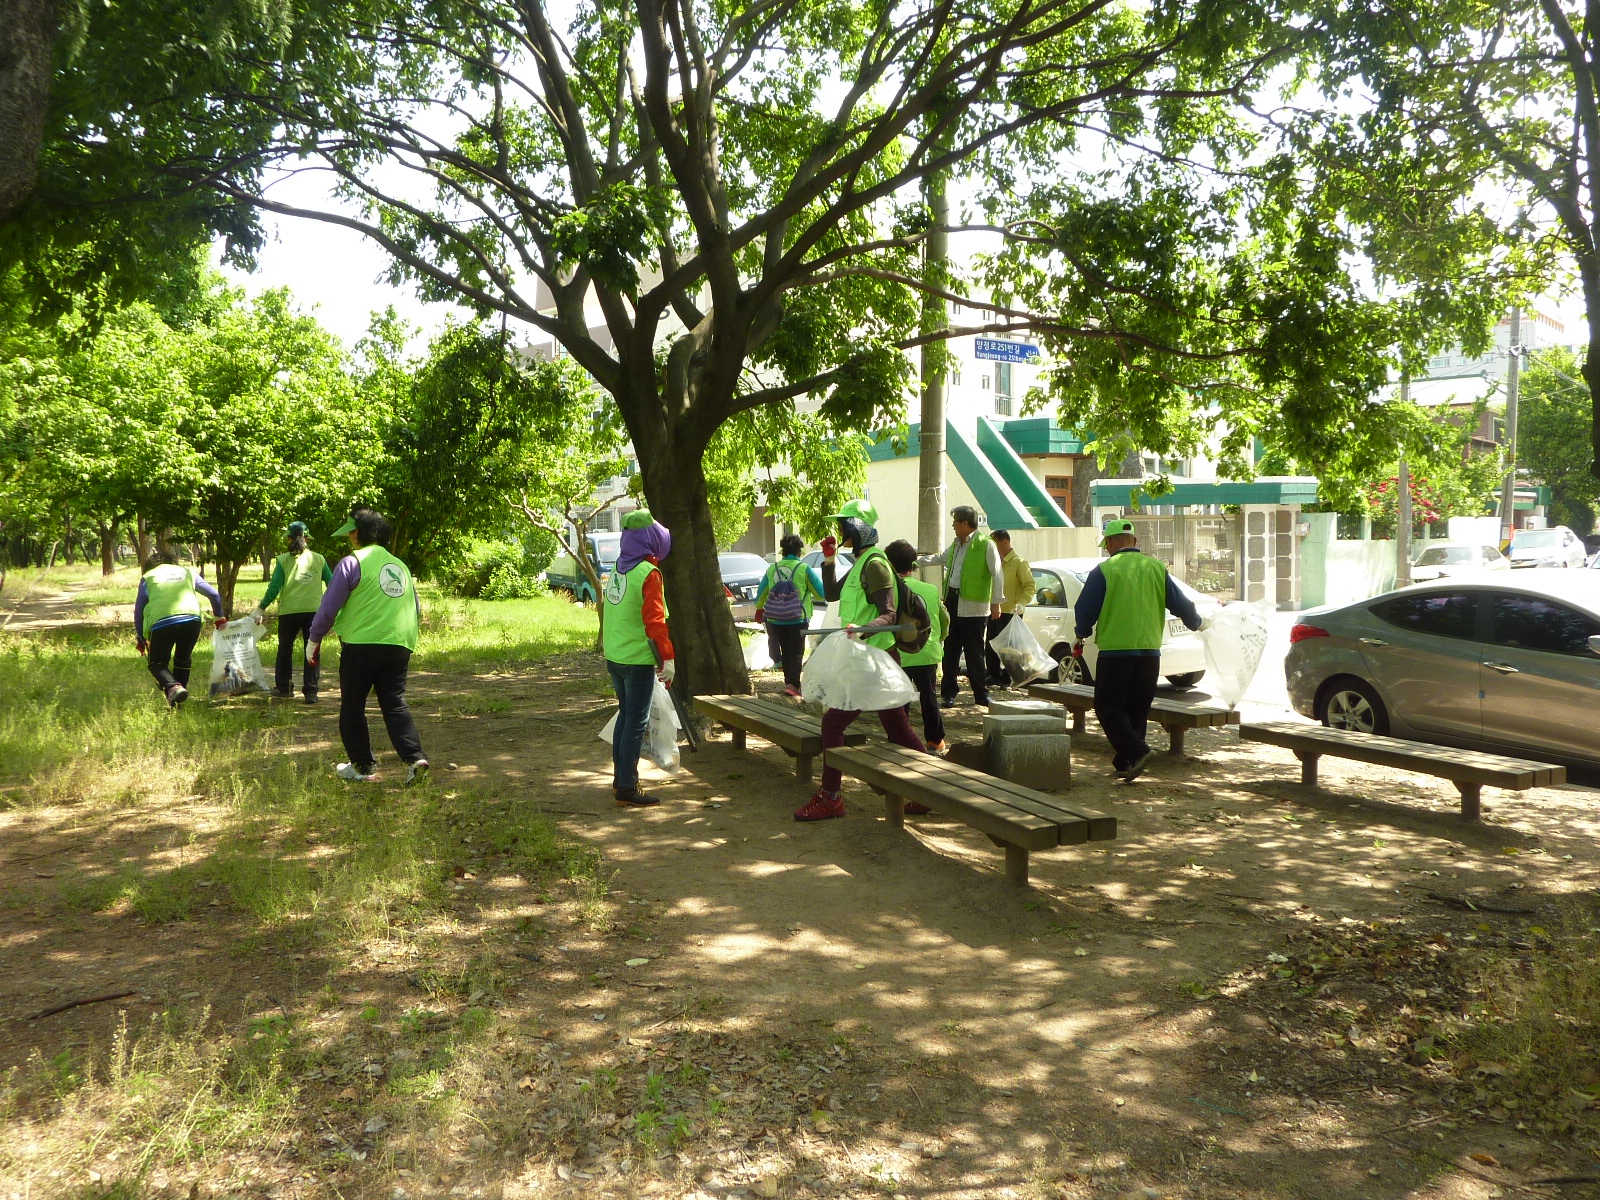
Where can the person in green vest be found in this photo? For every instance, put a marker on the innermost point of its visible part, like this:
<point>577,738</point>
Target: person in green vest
<point>923,666</point>
<point>973,589</point>
<point>166,621</point>
<point>638,648</point>
<point>868,597</point>
<point>371,603</point>
<point>1124,603</point>
<point>784,604</point>
<point>299,578</point>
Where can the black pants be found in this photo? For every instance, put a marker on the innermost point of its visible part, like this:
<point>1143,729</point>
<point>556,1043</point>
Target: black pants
<point>926,677</point>
<point>1123,690</point>
<point>366,668</point>
<point>791,640</point>
<point>967,635</point>
<point>292,627</point>
<point>998,675</point>
<point>174,644</point>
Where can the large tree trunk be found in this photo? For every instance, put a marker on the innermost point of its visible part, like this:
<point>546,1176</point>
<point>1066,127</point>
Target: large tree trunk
<point>710,656</point>
<point>227,577</point>
<point>27,44</point>
<point>1591,361</point>
<point>143,544</point>
<point>108,546</point>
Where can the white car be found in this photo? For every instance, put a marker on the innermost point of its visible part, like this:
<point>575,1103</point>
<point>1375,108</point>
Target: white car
<point>1456,558</point>
<point>1056,584</point>
<point>1557,546</point>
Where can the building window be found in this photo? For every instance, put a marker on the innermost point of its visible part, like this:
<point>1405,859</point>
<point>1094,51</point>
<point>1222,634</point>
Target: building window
<point>955,374</point>
<point>1002,379</point>
<point>985,383</point>
<point>1058,483</point>
<point>1002,406</point>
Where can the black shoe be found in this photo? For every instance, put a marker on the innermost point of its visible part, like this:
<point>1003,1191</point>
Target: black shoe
<point>947,701</point>
<point>634,798</point>
<point>1139,764</point>
<point>311,697</point>
<point>282,693</point>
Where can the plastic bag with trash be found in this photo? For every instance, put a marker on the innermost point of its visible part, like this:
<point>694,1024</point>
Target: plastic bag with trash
<point>757,654</point>
<point>1235,643</point>
<point>1020,653</point>
<point>847,673</point>
<point>660,735</point>
<point>236,661</point>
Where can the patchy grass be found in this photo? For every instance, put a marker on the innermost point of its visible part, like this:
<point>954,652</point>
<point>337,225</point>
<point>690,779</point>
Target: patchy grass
<point>497,634</point>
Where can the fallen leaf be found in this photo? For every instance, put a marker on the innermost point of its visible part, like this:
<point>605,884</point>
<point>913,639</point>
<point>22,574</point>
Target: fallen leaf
<point>1487,1160</point>
<point>767,1186</point>
<point>636,962</point>
<point>376,1124</point>
<point>525,1084</point>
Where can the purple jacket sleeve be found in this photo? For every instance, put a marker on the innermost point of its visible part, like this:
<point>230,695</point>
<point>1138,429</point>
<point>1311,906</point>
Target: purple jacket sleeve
<point>138,611</point>
<point>211,594</point>
<point>345,577</point>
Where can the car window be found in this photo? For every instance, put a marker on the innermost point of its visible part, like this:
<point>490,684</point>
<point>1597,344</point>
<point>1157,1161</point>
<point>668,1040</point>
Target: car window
<point>742,564</point>
<point>1525,539</point>
<point>1490,554</point>
<point>1438,556</point>
<point>1048,589</point>
<point>1534,623</point>
<point>1441,614</point>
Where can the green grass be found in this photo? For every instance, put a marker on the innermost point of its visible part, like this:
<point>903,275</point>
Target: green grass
<point>501,634</point>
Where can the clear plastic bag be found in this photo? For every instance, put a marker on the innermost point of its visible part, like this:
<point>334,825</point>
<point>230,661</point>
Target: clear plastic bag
<point>1019,651</point>
<point>757,657</point>
<point>235,660</point>
<point>849,674</point>
<point>1235,644</point>
<point>660,735</point>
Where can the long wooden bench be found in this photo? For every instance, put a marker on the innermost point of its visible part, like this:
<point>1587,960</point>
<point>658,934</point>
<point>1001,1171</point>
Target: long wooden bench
<point>799,735</point>
<point>1469,770</point>
<point>1177,717</point>
<point>1018,819</point>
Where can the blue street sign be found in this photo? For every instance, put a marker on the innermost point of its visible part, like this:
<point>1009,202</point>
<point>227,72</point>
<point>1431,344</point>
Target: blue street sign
<point>1000,350</point>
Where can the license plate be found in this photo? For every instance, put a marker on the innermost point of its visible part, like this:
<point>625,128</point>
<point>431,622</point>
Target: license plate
<point>1175,627</point>
<point>750,592</point>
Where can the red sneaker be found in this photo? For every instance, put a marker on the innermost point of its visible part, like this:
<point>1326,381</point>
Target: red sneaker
<point>917,808</point>
<point>823,806</point>
<point>791,690</point>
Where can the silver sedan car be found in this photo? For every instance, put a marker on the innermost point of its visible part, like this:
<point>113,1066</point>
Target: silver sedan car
<point>1509,664</point>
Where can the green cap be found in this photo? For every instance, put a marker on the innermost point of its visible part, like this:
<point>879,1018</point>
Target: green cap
<point>348,527</point>
<point>639,518</point>
<point>297,527</point>
<point>861,510</point>
<point>1115,529</point>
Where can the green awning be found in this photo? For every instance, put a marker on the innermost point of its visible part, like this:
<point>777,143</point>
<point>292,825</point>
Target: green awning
<point>1130,493</point>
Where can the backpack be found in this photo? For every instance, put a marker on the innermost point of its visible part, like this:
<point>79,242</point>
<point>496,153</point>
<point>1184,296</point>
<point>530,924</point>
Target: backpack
<point>910,610</point>
<point>783,602</point>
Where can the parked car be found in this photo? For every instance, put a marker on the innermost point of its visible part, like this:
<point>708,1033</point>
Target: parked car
<point>814,561</point>
<point>563,574</point>
<point>741,576</point>
<point>1557,546</point>
<point>1057,583</point>
<point>1445,559</point>
<point>1510,664</point>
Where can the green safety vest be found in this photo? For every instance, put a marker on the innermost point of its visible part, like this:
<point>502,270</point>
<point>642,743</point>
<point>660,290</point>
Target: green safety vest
<point>169,592</point>
<point>932,653</point>
<point>1134,616</point>
<point>976,582</point>
<point>302,581</point>
<point>382,610</point>
<point>625,639</point>
<point>855,608</point>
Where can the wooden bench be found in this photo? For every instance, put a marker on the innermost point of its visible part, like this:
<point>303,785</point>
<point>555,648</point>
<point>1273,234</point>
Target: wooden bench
<point>1016,818</point>
<point>1175,716</point>
<point>799,735</point>
<point>1469,770</point>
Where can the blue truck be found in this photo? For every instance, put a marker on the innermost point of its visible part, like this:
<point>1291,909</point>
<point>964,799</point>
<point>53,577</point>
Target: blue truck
<point>564,574</point>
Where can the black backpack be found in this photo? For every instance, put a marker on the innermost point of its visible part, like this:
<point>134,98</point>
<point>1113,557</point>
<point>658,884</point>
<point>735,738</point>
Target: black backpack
<point>910,610</point>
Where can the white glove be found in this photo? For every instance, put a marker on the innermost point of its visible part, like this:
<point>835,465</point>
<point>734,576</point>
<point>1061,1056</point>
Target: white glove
<point>313,652</point>
<point>1205,624</point>
<point>257,615</point>
<point>667,671</point>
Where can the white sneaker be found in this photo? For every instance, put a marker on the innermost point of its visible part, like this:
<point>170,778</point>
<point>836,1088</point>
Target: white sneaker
<point>351,773</point>
<point>417,771</point>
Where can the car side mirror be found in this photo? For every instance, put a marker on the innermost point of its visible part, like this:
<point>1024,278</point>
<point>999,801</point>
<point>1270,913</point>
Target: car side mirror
<point>1594,644</point>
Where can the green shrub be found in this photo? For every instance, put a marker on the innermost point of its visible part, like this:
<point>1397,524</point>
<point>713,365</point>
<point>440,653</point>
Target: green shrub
<point>507,582</point>
<point>494,571</point>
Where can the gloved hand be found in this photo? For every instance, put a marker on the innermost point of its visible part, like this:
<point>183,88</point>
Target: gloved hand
<point>761,616</point>
<point>1077,649</point>
<point>994,612</point>
<point>314,653</point>
<point>1205,624</point>
<point>140,645</point>
<point>667,671</point>
<point>222,622</point>
<point>258,615</point>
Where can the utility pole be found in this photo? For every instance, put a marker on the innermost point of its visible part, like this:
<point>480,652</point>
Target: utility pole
<point>936,259</point>
<point>1508,490</point>
<point>1402,524</point>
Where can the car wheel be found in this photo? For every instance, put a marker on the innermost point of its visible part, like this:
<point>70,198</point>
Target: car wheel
<point>1069,669</point>
<point>1348,703</point>
<point>1186,680</point>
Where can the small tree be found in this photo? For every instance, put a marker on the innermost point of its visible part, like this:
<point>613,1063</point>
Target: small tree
<point>1552,436</point>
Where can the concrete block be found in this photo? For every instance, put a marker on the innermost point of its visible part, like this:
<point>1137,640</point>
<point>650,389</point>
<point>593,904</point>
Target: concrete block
<point>1023,708</point>
<point>1037,760</point>
<point>974,755</point>
<point>1019,723</point>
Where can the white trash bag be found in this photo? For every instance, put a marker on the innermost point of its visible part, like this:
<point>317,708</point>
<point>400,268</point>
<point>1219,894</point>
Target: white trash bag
<point>1235,644</point>
<point>845,672</point>
<point>757,657</point>
<point>235,660</point>
<point>1019,651</point>
<point>660,735</point>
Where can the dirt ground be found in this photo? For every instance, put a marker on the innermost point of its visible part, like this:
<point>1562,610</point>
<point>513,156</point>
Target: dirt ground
<point>1204,1007</point>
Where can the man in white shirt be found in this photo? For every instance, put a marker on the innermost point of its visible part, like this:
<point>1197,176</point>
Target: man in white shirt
<point>974,585</point>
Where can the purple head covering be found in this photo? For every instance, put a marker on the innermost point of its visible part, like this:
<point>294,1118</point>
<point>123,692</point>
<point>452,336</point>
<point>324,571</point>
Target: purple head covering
<point>642,537</point>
